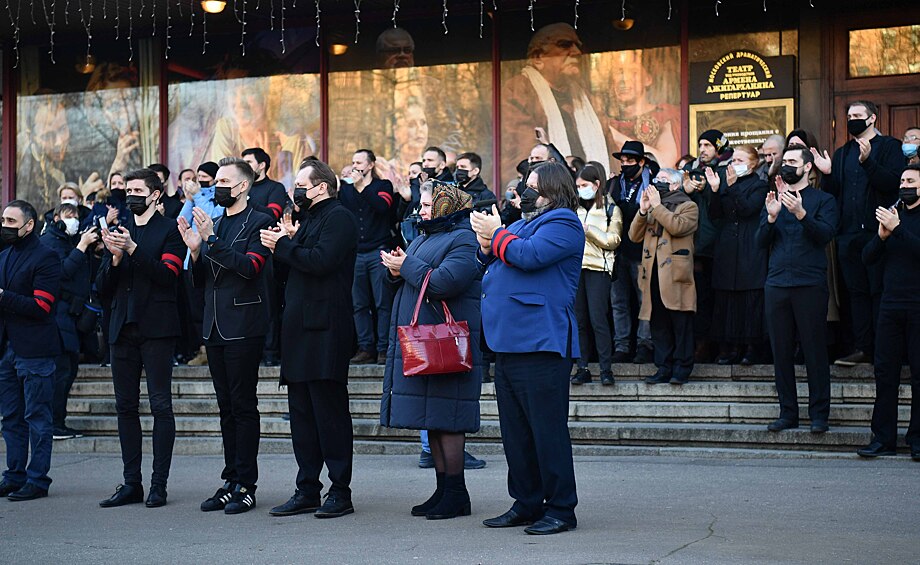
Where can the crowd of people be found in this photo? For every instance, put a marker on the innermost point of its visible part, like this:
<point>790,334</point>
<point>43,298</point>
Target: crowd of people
<point>738,255</point>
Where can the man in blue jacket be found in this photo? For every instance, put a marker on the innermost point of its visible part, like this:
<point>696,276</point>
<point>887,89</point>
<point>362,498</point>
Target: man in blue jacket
<point>30,274</point>
<point>530,276</point>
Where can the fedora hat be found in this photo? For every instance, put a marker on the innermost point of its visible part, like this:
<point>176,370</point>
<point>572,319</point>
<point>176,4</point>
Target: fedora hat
<point>631,148</point>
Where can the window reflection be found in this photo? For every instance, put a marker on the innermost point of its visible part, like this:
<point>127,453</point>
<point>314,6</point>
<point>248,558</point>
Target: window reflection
<point>884,51</point>
<point>79,136</point>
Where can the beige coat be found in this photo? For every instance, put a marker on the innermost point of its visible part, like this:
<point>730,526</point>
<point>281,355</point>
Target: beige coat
<point>600,239</point>
<point>675,271</point>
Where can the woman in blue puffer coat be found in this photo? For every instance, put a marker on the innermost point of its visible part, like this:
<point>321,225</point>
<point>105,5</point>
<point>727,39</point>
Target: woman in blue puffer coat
<point>445,405</point>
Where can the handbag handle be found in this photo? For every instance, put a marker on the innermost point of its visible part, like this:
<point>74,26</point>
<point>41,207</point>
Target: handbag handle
<point>448,317</point>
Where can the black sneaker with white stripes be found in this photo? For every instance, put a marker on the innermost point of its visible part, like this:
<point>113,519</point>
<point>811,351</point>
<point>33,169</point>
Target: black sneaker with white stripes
<point>220,499</point>
<point>243,500</point>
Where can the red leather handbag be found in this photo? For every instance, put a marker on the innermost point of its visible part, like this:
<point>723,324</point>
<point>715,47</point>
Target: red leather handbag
<point>435,349</point>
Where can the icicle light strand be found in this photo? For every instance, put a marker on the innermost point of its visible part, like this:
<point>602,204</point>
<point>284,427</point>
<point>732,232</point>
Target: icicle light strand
<point>357,19</point>
<point>530,9</point>
<point>576,14</point>
<point>395,11</point>
<point>317,23</point>
<point>444,17</point>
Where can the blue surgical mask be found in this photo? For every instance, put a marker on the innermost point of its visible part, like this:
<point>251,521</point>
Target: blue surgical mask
<point>740,169</point>
<point>348,180</point>
<point>909,150</point>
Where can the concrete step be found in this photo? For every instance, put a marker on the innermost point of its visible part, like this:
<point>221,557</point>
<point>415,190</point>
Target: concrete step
<point>579,410</point>
<point>624,370</point>
<point>624,390</point>
<point>212,446</point>
<point>747,436</point>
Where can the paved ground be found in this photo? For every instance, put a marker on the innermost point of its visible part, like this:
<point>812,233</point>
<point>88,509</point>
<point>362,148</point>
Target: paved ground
<point>633,510</point>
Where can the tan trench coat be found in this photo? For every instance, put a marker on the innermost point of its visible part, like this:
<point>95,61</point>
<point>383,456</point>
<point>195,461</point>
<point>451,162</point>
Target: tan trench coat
<point>672,250</point>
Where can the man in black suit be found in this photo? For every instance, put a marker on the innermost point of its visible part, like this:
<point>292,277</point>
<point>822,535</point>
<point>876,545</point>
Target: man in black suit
<point>139,272</point>
<point>316,339</point>
<point>30,275</point>
<point>228,260</point>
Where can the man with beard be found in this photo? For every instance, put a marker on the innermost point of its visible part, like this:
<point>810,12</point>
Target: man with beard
<point>395,49</point>
<point>548,94</point>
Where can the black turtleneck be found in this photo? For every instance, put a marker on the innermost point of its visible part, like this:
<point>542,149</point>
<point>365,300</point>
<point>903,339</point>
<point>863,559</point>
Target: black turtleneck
<point>900,257</point>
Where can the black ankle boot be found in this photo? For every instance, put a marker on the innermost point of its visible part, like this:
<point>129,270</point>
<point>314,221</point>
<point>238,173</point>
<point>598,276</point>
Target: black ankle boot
<point>454,502</point>
<point>423,508</point>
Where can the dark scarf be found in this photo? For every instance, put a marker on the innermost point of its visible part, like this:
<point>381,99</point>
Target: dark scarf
<point>674,199</point>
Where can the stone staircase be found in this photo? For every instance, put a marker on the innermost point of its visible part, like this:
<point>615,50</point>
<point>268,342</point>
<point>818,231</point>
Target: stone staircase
<point>724,409</point>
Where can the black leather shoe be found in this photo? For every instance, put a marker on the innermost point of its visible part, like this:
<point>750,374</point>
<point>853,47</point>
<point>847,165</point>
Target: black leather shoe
<point>658,379</point>
<point>7,487</point>
<point>679,380</point>
<point>509,519</point>
<point>621,357</point>
<point>607,378</point>
<point>548,525</point>
<point>298,504</point>
<point>915,452</point>
<point>124,494</point>
<point>27,492</point>
<point>425,460</point>
<point>157,497</point>
<point>335,506</point>
<point>220,498</point>
<point>780,425</point>
<point>643,355</point>
<point>581,377</point>
<point>876,449</point>
<point>819,427</point>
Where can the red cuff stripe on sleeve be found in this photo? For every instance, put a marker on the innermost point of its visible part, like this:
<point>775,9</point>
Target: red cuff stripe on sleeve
<point>276,209</point>
<point>170,257</point>
<point>172,268</point>
<point>386,196</point>
<point>503,245</point>
<point>44,305</point>
<point>255,265</point>
<point>256,256</point>
<point>42,294</point>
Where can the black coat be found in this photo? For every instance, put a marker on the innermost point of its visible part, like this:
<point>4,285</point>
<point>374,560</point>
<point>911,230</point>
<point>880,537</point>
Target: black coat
<point>317,325</point>
<point>438,402</point>
<point>30,276</point>
<point>75,284</point>
<point>148,278</point>
<point>232,272</point>
<point>738,262</point>
<point>478,190</point>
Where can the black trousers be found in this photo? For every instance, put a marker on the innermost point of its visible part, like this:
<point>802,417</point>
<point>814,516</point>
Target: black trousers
<point>864,288</point>
<point>898,326</point>
<point>234,370</point>
<point>672,334</point>
<point>802,308</point>
<point>321,433</point>
<point>195,297</point>
<point>65,372</point>
<point>702,280</point>
<point>533,409</point>
<point>132,353</point>
<point>592,309</point>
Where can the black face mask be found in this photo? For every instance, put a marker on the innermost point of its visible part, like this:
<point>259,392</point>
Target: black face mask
<point>301,200</point>
<point>462,176</point>
<point>118,194</point>
<point>857,126</point>
<point>908,196</point>
<point>430,171</point>
<point>529,200</point>
<point>662,186</point>
<point>223,196</point>
<point>137,204</point>
<point>790,174</point>
<point>630,171</point>
<point>10,235</point>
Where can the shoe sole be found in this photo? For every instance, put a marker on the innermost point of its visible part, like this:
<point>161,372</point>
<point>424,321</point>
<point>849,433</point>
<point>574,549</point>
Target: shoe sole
<point>539,533</point>
<point>294,513</point>
<point>500,526</point>
<point>104,505</point>
<point>845,363</point>
<point>60,438</point>
<point>879,454</point>
<point>465,511</point>
<point>240,511</point>
<point>325,515</point>
<point>12,499</point>
<point>157,505</point>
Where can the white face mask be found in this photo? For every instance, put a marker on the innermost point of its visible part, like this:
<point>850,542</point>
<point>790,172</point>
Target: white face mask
<point>73,225</point>
<point>587,192</point>
<point>71,201</point>
<point>740,169</point>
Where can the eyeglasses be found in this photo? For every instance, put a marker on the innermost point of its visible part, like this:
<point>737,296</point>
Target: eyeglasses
<point>567,43</point>
<point>404,50</point>
<point>910,138</point>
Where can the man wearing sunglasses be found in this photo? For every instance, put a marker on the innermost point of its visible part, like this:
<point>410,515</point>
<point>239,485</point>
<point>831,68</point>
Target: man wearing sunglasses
<point>548,94</point>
